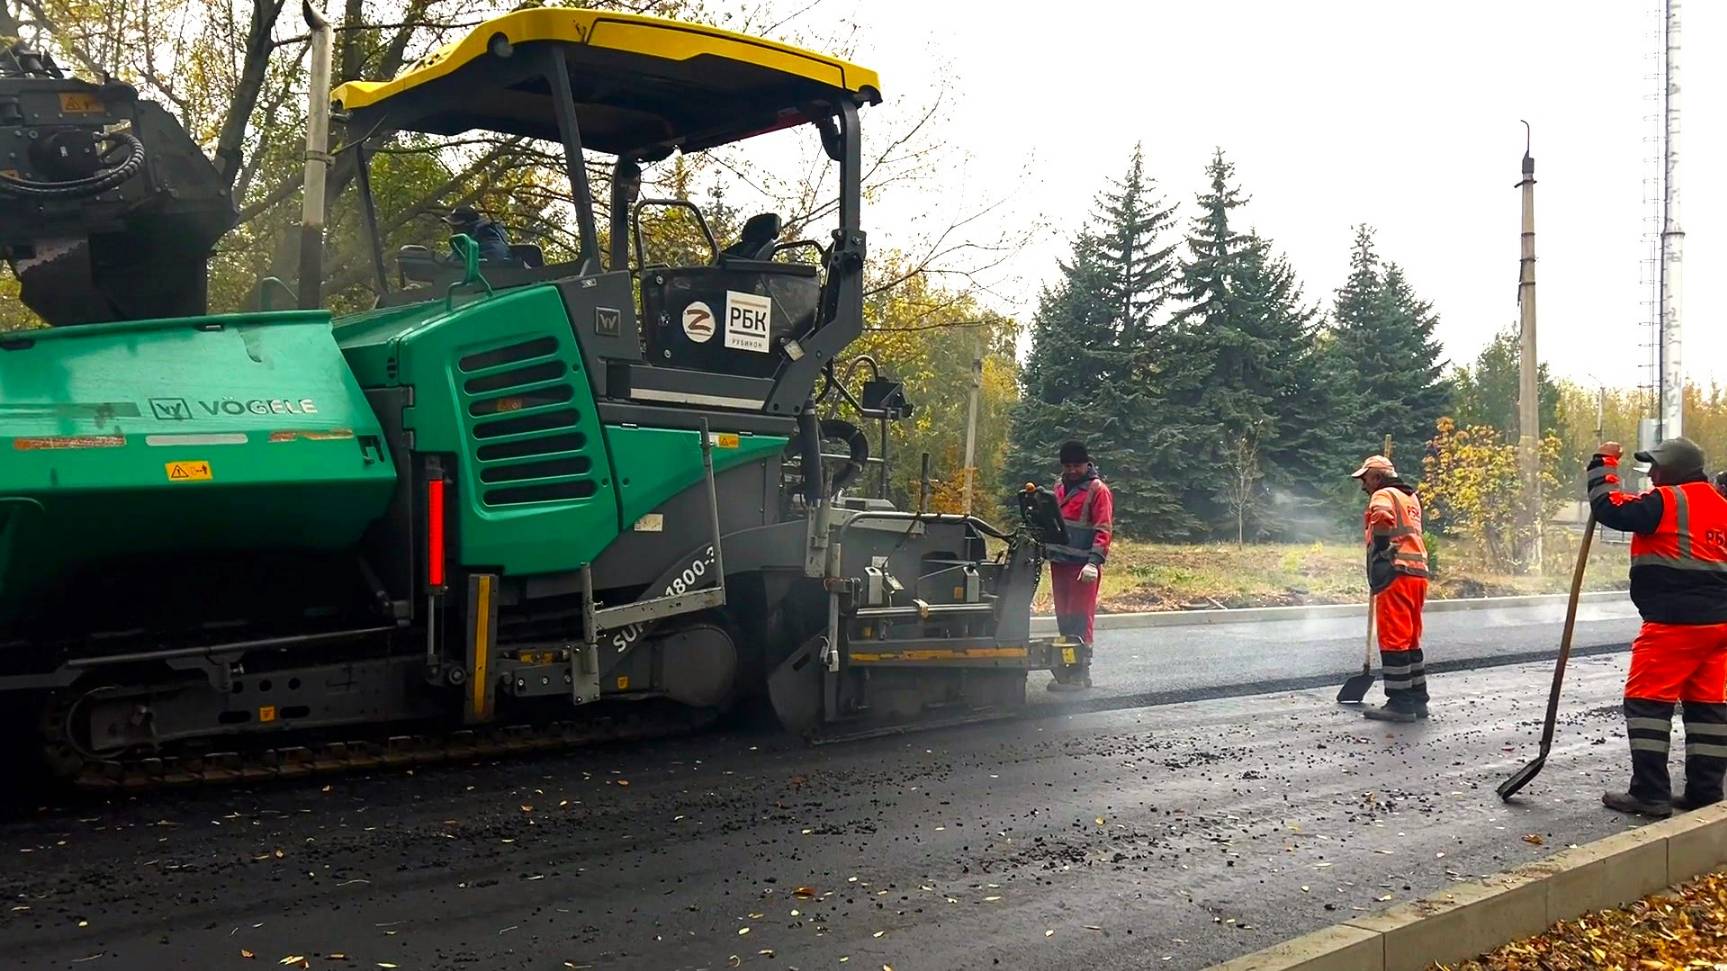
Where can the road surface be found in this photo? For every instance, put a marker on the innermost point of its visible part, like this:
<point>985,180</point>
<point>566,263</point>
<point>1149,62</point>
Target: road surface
<point>1173,834</point>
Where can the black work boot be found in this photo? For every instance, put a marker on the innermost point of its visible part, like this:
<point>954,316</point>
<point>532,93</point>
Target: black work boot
<point>1418,682</point>
<point>1705,754</point>
<point>1392,711</point>
<point>1649,724</point>
<point>1400,699</point>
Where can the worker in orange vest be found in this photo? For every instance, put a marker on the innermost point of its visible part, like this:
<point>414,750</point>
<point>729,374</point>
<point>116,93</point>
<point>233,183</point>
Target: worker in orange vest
<point>1397,584</point>
<point>1088,509</point>
<point>1679,584</point>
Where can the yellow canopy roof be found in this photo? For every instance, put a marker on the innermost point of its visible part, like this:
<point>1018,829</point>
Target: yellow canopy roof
<point>639,82</point>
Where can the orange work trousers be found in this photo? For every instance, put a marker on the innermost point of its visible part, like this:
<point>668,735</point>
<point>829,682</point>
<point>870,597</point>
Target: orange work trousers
<point>1679,662</point>
<point>1397,611</point>
<point>1075,600</point>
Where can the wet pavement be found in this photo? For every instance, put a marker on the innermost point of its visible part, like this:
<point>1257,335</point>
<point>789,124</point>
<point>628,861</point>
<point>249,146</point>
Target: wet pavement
<point>1169,835</point>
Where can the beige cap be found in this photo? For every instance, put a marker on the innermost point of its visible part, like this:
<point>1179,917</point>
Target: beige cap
<point>1375,463</point>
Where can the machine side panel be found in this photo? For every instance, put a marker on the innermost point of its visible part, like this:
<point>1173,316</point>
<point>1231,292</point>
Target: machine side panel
<point>234,434</point>
<point>500,384</point>
<point>655,464</point>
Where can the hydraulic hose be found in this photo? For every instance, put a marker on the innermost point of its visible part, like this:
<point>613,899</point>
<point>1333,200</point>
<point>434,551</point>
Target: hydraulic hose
<point>810,444</point>
<point>856,441</point>
<point>82,188</point>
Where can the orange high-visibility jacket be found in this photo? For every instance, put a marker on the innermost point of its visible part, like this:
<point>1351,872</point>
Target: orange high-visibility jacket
<point>1678,544</point>
<point>1395,515</point>
<point>1692,534</point>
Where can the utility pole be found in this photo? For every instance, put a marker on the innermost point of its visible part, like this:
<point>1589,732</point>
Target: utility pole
<point>971,424</point>
<point>312,216</point>
<point>1529,365</point>
<point>1671,416</point>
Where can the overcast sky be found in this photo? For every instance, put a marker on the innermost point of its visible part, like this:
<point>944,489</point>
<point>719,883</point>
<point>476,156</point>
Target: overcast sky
<point>1400,115</point>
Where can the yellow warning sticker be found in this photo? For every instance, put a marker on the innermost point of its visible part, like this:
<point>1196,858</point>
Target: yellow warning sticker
<point>80,103</point>
<point>267,713</point>
<point>727,440</point>
<point>189,471</point>
<point>623,682</point>
<point>1069,656</point>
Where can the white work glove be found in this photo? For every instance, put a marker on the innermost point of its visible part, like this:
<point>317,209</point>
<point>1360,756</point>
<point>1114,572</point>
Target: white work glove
<point>1088,573</point>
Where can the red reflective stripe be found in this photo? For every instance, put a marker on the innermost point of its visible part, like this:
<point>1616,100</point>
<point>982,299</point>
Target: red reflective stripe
<point>435,532</point>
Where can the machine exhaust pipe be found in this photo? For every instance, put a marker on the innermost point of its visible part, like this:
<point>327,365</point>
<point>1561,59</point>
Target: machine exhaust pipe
<point>317,160</point>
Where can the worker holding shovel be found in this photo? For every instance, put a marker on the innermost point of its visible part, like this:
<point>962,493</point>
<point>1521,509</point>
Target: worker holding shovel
<point>1397,581</point>
<point>1679,584</point>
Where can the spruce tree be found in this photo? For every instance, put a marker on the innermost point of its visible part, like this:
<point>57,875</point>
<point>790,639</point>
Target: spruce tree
<point>1299,432</point>
<point>1073,334</point>
<point>1131,223</point>
<point>1091,373</point>
<point>1211,355</point>
<point>1238,374</point>
<point>1386,360</point>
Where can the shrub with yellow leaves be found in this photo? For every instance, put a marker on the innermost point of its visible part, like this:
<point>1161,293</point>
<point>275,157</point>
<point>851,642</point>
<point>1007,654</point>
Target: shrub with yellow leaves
<point>1471,490</point>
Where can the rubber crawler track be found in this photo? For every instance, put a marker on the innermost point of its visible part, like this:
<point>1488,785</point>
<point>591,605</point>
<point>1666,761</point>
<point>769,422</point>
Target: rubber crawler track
<point>395,751</point>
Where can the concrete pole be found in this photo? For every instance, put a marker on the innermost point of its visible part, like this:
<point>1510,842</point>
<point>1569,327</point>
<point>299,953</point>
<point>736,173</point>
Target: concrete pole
<point>317,159</point>
<point>1672,418</point>
<point>971,425</point>
<point>1529,368</point>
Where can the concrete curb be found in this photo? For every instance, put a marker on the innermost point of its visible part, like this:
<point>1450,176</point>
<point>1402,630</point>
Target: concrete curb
<point>1473,918</point>
<point>1044,625</point>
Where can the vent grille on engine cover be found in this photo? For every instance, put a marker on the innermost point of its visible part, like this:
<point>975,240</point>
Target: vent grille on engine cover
<point>524,415</point>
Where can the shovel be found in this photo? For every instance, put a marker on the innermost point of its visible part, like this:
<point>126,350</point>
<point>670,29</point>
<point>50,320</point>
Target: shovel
<point>1355,689</point>
<point>1523,776</point>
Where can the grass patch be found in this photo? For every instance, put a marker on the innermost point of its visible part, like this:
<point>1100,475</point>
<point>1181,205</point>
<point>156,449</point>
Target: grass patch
<point>1165,576</point>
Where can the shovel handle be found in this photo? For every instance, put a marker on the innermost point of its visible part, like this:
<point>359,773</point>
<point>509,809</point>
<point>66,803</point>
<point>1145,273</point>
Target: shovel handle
<point>1565,637</point>
<point>1372,611</point>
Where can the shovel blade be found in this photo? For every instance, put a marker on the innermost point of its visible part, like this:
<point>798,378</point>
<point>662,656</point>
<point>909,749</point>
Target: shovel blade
<point>1355,689</point>
<point>1521,778</point>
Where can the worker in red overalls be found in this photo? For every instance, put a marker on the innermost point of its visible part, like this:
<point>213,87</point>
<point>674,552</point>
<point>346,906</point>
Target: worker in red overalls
<point>1679,584</point>
<point>1089,511</point>
<point>1397,583</point>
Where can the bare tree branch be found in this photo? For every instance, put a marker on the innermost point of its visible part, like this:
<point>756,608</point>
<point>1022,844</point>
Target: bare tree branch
<point>788,18</point>
<point>9,23</point>
<point>396,51</point>
<point>351,53</point>
<point>48,24</point>
<point>943,325</point>
<point>275,197</point>
<point>229,150</point>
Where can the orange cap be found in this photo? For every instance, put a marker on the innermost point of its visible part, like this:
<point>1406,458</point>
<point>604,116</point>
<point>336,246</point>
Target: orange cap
<point>1375,463</point>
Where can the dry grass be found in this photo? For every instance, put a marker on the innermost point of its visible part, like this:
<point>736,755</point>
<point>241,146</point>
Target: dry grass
<point>1161,576</point>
